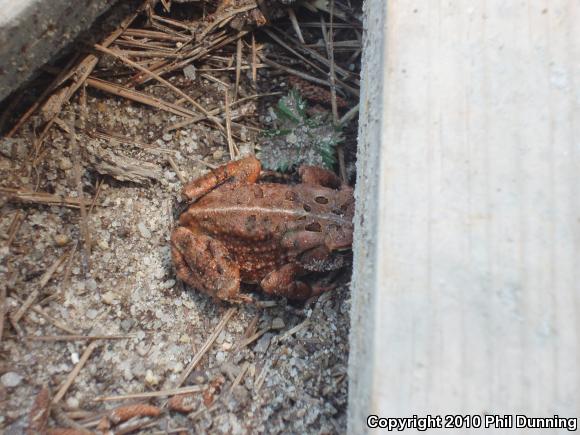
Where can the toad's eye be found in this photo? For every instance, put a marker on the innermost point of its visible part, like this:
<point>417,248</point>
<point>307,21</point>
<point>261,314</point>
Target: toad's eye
<point>321,200</point>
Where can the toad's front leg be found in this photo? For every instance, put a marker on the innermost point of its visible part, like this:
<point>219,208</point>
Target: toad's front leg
<point>204,263</point>
<point>283,282</point>
<point>246,170</point>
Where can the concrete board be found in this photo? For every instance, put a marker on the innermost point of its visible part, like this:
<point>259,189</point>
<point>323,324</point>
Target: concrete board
<point>466,288</point>
<point>33,31</point>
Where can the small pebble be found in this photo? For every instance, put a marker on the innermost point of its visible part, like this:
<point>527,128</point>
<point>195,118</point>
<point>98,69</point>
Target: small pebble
<point>278,323</point>
<point>91,284</point>
<point>64,163</point>
<point>108,298</point>
<point>189,72</point>
<point>263,343</point>
<point>151,379</point>
<point>61,239</point>
<point>218,154</point>
<point>145,233</point>
<point>11,379</point>
<point>169,175</point>
<point>170,283</point>
<point>127,324</point>
<point>74,357</point>
<point>167,137</point>
<point>220,356</point>
<point>92,314</point>
<point>72,403</point>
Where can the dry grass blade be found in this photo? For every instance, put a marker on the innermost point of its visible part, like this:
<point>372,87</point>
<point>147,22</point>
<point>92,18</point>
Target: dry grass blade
<point>295,72</point>
<point>48,317</point>
<point>176,169</point>
<point>295,25</point>
<point>83,223</point>
<point>349,116</point>
<point>238,67</point>
<point>14,227</point>
<point>214,335</point>
<point>115,138</point>
<point>53,267</point>
<point>231,145</point>
<point>28,196</point>
<point>148,395</point>
<point>329,39</point>
<point>39,413</point>
<point>75,372</point>
<point>254,60</point>
<point>76,337</point>
<point>2,308</point>
<point>24,307</point>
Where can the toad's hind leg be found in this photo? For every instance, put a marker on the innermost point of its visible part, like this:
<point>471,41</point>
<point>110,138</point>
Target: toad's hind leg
<point>203,262</point>
<point>283,282</point>
<point>246,170</point>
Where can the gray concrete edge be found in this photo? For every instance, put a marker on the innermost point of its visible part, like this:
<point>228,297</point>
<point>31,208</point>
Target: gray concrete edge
<point>364,283</point>
<point>32,33</point>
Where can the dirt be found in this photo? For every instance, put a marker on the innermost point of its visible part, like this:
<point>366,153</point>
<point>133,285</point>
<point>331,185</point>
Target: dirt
<point>290,378</point>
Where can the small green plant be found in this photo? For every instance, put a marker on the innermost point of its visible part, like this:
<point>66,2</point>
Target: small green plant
<point>298,138</point>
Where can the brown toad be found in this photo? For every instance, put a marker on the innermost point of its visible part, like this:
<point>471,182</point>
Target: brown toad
<point>239,230</point>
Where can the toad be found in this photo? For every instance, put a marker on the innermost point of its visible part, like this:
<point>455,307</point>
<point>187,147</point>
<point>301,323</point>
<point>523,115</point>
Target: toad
<point>237,229</point>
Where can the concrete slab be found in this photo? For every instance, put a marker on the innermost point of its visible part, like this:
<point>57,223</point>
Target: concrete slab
<point>466,289</point>
<point>32,31</point>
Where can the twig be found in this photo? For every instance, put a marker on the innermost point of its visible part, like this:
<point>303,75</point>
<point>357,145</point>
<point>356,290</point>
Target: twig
<point>150,394</point>
<point>61,418</point>
<point>24,307</point>
<point>39,413</point>
<point>2,308</point>
<point>76,337</point>
<point>40,197</point>
<point>197,358</point>
<point>84,226</point>
<point>294,330</point>
<point>330,50</point>
<point>295,25</point>
<point>111,137</point>
<point>349,116</point>
<point>140,97</point>
<point>176,170</point>
<point>253,338</point>
<point>50,271</point>
<point>74,373</point>
<point>14,227</point>
<point>294,72</point>
<point>231,144</point>
<point>238,67</point>
<point>254,60</point>
<point>48,317</point>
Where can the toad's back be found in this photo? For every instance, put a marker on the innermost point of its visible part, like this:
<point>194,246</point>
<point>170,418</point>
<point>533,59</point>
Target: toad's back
<point>258,223</point>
